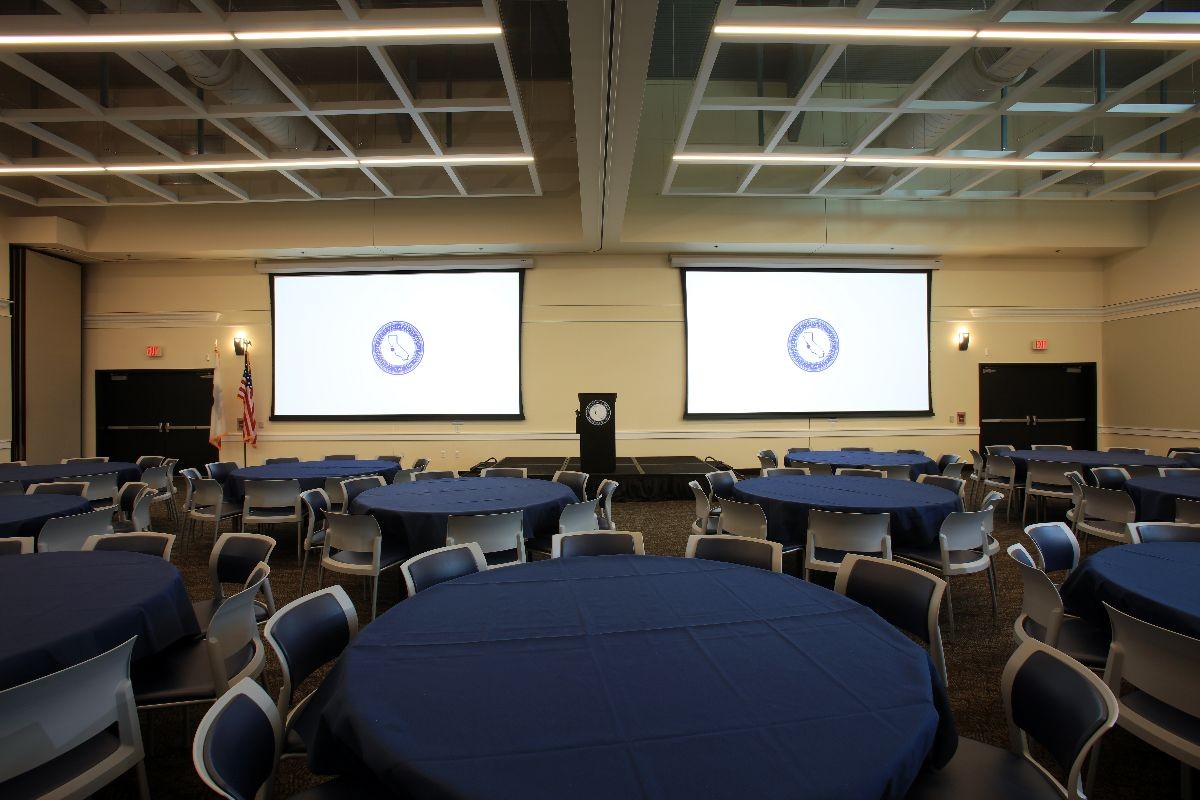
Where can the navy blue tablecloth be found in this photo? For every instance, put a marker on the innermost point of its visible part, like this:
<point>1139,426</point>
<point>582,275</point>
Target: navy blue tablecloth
<point>416,512</point>
<point>58,609</point>
<point>1088,459</point>
<point>311,474</point>
<point>1154,498</point>
<point>917,464</point>
<point>48,473</point>
<point>1155,582</point>
<point>652,677</point>
<point>24,515</point>
<point>917,509</point>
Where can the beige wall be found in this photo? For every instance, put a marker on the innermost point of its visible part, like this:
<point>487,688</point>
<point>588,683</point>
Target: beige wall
<point>52,303</point>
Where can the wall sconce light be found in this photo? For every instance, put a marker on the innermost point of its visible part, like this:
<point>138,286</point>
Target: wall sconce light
<point>964,340</point>
<point>240,343</point>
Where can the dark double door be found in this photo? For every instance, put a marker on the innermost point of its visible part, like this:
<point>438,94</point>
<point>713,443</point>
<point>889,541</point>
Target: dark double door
<point>162,412</point>
<point>1028,404</point>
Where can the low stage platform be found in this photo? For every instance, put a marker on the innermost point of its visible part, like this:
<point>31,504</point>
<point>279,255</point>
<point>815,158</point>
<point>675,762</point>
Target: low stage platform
<point>640,477</point>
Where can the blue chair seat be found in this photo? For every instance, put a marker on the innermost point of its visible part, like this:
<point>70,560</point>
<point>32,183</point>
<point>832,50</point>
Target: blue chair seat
<point>1053,488</point>
<point>181,673</point>
<point>387,556</point>
<point>39,781</point>
<point>281,511</point>
<point>932,555</point>
<point>983,772</point>
<point>1078,638</point>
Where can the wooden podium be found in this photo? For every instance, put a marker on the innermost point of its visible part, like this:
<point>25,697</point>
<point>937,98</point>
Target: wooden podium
<point>596,424</point>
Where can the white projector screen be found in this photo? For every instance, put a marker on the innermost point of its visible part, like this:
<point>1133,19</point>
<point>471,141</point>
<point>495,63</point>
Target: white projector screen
<point>425,345</point>
<point>807,342</point>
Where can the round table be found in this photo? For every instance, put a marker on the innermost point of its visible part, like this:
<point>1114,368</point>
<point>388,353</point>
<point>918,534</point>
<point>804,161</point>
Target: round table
<point>416,513</point>
<point>1155,497</point>
<point>1088,459</point>
<point>311,474</point>
<point>58,609</point>
<point>1155,582</point>
<point>652,677</point>
<point>917,509</point>
<point>859,459</point>
<point>24,514</point>
<point>48,473</point>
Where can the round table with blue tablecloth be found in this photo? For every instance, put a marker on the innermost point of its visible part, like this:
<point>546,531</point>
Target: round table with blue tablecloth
<point>1155,582</point>
<point>916,509</point>
<point>860,459</point>
<point>58,609</point>
<point>310,474</point>
<point>24,514</point>
<point>48,473</point>
<point>631,676</point>
<point>1088,459</point>
<point>1155,498</point>
<point>416,513</point>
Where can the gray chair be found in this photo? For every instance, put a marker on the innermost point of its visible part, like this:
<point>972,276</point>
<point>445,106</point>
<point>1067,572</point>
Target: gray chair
<point>1043,618</point>
<point>978,470</point>
<point>1054,546</point>
<point>956,485</point>
<point>162,490</point>
<point>274,502</point>
<point>1001,474</point>
<point>1109,477</point>
<point>832,535</point>
<point>146,462</point>
<point>1137,450</point>
<point>912,452</point>
<point>707,519</point>
<point>314,505</point>
<point>443,564</point>
<point>353,487</point>
<point>856,450</point>
<point>1055,447</point>
<point>59,534</point>
<point>946,460</point>
<point>576,481</point>
<point>73,488</point>
<point>86,460</point>
<point>342,457</point>
<point>720,486</point>
<point>404,476</point>
<point>147,542</point>
<point>335,494</point>
<point>998,449</point>
<point>282,460</point>
<point>1105,513</point>
<point>597,543</point>
<point>354,545</point>
<point>1046,480</point>
<point>1142,532</point>
<point>579,516</point>
<point>772,472</point>
<point>233,560</point>
<point>736,550</point>
<point>397,460</point>
<point>1179,472</point>
<point>504,472</point>
<point>604,511</point>
<point>742,519</point>
<point>961,549</point>
<point>767,460</point>
<point>1187,510</point>
<point>862,472</point>
<point>206,503</point>
<point>220,470</point>
<point>72,732</point>
<point>16,545</point>
<point>434,475</point>
<point>420,465</point>
<point>501,537</point>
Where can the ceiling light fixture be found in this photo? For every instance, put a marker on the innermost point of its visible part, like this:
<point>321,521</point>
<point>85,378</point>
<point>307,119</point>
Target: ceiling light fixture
<point>235,166</point>
<point>49,170</point>
<point>369,33</point>
<point>12,169</point>
<point>757,158</point>
<point>1110,35</point>
<point>803,31</point>
<point>431,33</point>
<point>448,161</point>
<point>936,162</point>
<point>116,38</point>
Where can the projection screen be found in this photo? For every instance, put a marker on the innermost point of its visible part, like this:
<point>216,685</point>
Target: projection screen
<point>776,342</point>
<point>425,345</point>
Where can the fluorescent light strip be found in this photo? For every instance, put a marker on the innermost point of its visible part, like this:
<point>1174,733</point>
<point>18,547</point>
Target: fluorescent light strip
<point>440,161</point>
<point>369,33</point>
<point>1132,37</point>
<point>236,166</point>
<point>258,166</point>
<point>118,38</point>
<point>1001,33</point>
<point>757,158</point>
<point>855,33</point>
<point>784,159</point>
<point>433,33</point>
<point>8,169</point>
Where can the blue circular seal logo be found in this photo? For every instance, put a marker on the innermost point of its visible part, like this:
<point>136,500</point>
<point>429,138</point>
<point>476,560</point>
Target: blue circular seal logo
<point>813,345</point>
<point>398,348</point>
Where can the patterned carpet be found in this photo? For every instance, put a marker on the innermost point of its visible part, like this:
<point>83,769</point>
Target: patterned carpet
<point>975,656</point>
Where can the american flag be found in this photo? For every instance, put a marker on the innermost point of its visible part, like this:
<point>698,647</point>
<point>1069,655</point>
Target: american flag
<point>245,393</point>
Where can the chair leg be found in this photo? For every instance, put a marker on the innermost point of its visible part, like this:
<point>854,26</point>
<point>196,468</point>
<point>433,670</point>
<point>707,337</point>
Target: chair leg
<point>303,567</point>
<point>991,574</point>
<point>1025,510</point>
<point>299,540</point>
<point>374,596</point>
<point>1093,766</point>
<point>950,606</point>
<point>143,781</point>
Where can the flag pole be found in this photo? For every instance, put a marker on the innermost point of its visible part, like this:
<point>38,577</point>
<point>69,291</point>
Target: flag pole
<point>245,462</point>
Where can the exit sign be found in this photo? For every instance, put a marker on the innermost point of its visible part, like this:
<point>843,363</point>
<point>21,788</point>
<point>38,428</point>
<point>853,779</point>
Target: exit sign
<point>1041,344</point>
<point>153,351</point>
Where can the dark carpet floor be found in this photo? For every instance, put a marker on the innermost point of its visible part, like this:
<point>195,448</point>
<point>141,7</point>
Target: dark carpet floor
<point>975,656</point>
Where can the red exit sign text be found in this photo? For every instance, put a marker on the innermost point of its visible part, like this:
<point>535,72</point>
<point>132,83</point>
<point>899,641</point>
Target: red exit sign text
<point>1041,344</point>
<point>154,351</point>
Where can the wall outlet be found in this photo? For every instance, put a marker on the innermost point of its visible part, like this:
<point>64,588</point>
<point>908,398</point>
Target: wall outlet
<point>443,455</point>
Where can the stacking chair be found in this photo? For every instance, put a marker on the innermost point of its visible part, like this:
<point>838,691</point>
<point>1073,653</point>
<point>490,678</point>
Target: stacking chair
<point>1105,513</point>
<point>335,494</point>
<point>1001,474</point>
<point>307,634</point>
<point>1054,546</point>
<point>1152,671</point>
<point>70,533</point>
<point>948,459</point>
<point>433,475</point>
<point>816,468</point>
<point>1043,618</point>
<point>707,518</point>
<point>579,517</point>
<point>16,545</point>
<point>504,472</point>
<point>961,549</point>
<point>501,537</point>
<point>1140,532</point>
<point>353,487</point>
<point>1179,472</point>
<point>139,515</point>
<point>403,476</point>
<point>11,488</point>
<point>1046,480</point>
<point>998,449</point>
<point>897,472</point>
<point>907,597</point>
<point>314,505</point>
<point>72,732</point>
<point>127,497</point>
<point>767,460</point>
<point>1137,450</point>
<point>856,449</point>
<point>208,504</point>
<point>162,490</point>
<point>863,472</point>
<point>282,460</point>
<point>201,670</point>
<point>445,563</point>
<point>87,460</point>
<point>151,544</point>
<point>219,470</point>
<point>576,481</point>
<point>1048,698</point>
<point>742,519</point>
<point>354,545</point>
<point>598,543</point>
<point>101,490</point>
<point>1187,510</point>
<point>1050,447</point>
<point>420,465</point>
<point>146,462</point>
<point>233,559</point>
<point>1141,471</point>
<point>956,469</point>
<point>720,485</point>
<point>912,452</point>
<point>832,535</point>
<point>772,472</point>
<point>1172,452</point>
<point>736,550</point>
<point>956,485</point>
<point>1077,484</point>
<point>978,471</point>
<point>397,460</point>
<point>342,457</point>
<point>1109,477</point>
<point>73,488</point>
<point>274,503</point>
<point>604,512</point>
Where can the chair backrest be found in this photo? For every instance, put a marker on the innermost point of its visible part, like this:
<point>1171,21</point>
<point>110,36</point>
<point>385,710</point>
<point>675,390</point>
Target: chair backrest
<point>158,478</point>
<point>1187,510</point>
<point>207,493</point>
<point>720,484</point>
<point>100,488</point>
<point>577,481</point>
<point>1141,532</point>
<point>979,463</point>
<point>905,596</point>
<point>1056,547</point>
<point>272,494</point>
<point>49,717</point>
<point>16,545</point>
<point>342,457</point>
<point>442,564</point>
<point>307,634</point>
<point>604,493</point>
<point>333,491</point>
<point>912,452</point>
<point>238,742</point>
<point>420,465</point>
<point>736,550</point>
<point>994,449</point>
<point>397,460</point>
<point>219,470</point>
<point>494,533</point>
<point>405,476</point>
<point>282,460</point>
<point>234,557</point>
<point>353,487</point>
<point>597,543</point>
<point>1157,661</point>
<point>1172,452</point>
<point>235,648</point>
<point>314,505</point>
<point>579,516</point>
<point>955,485</point>
<point>964,530</point>
<point>504,472</point>
<point>433,475</point>
<point>70,533</point>
<point>863,472</point>
<point>1049,474</point>
<point>357,533</point>
<point>1109,477</point>
<point>818,468</point>
<point>1179,472</point>
<point>146,462</point>
<point>1138,450</point>
<point>946,459</point>
<point>897,472</point>
<point>767,459</point>
<point>191,477</point>
<point>856,449</point>
<point>127,495</point>
<point>1040,600</point>
<point>1142,470</point>
<point>1110,505</point>
<point>140,515</point>
<point>86,460</point>
<point>152,544</point>
<point>742,519</point>
<point>703,507</point>
<point>1001,467</point>
<point>1058,703</point>
<point>849,532</point>
<point>73,488</point>
<point>1050,447</point>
